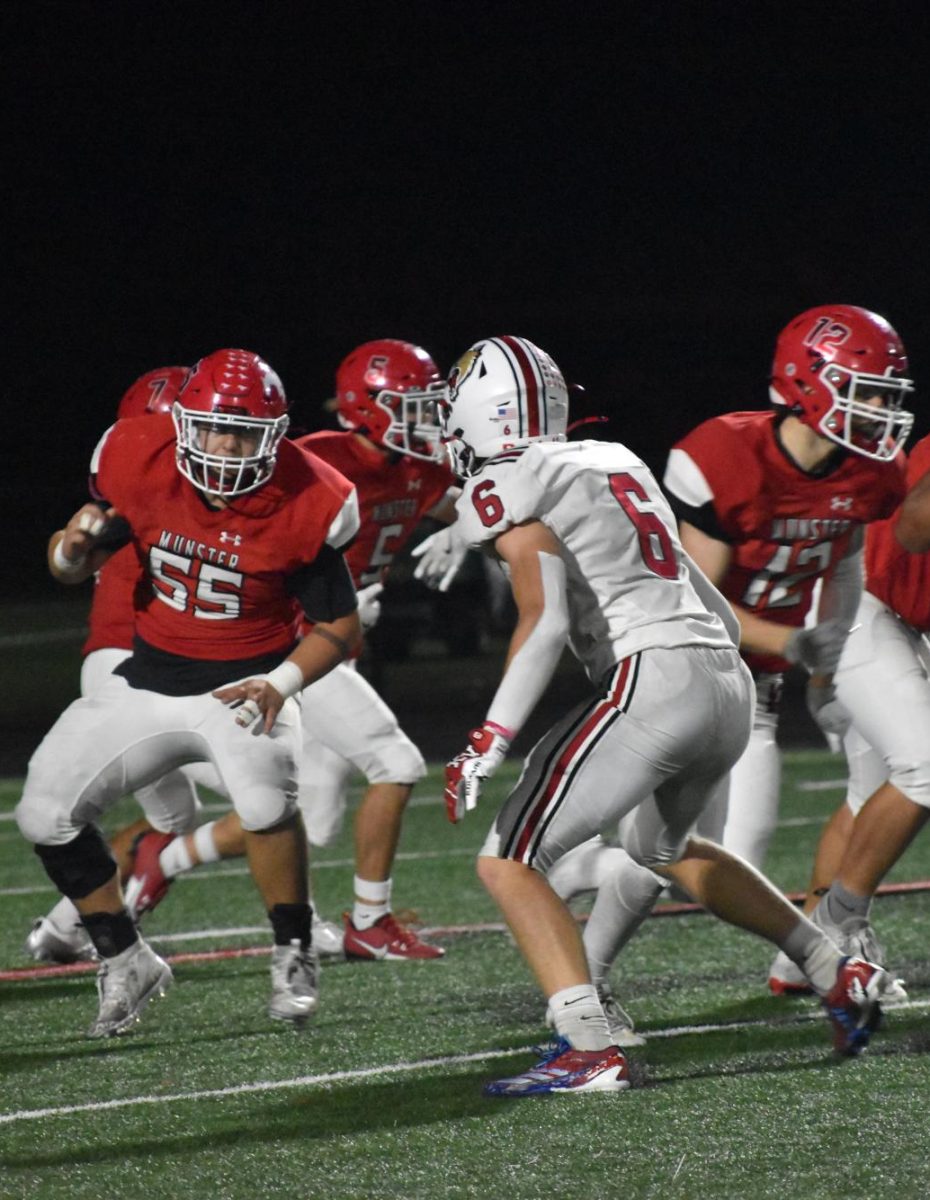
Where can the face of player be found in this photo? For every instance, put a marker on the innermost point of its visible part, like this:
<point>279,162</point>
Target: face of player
<point>229,443</point>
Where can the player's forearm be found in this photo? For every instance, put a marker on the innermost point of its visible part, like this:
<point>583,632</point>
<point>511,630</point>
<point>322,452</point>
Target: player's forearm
<point>70,568</point>
<point>758,636</point>
<point>534,652</point>
<point>326,645</point>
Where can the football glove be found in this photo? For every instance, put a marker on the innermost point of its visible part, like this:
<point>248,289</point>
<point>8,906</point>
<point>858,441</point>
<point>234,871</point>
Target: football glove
<point>818,648</point>
<point>466,773</point>
<point>441,555</point>
<point>828,711</point>
<point>369,606</point>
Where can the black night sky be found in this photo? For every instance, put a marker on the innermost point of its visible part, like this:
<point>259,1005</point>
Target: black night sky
<point>649,191</point>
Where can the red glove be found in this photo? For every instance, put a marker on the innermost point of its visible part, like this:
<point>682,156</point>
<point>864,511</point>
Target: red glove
<point>487,748</point>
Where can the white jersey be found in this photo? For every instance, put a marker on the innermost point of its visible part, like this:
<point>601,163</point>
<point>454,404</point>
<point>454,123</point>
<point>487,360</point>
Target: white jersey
<point>629,588</point>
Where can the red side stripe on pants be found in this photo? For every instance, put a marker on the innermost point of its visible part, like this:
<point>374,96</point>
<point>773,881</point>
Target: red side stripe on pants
<point>566,760</point>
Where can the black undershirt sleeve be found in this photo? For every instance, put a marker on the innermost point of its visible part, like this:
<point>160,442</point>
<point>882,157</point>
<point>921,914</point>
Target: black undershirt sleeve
<point>703,518</point>
<point>324,588</point>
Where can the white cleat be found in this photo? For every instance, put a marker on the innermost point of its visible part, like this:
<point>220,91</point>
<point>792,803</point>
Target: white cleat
<point>48,943</point>
<point>294,986</point>
<point>125,985</point>
<point>328,939</point>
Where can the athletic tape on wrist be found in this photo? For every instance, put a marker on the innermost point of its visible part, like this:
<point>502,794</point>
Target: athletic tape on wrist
<point>67,566</point>
<point>286,678</point>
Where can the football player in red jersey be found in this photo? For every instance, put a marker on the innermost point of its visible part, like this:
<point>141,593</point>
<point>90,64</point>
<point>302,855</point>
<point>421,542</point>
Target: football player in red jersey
<point>59,936</point>
<point>389,449</point>
<point>883,683</point>
<point>234,528</point>
<point>770,503</point>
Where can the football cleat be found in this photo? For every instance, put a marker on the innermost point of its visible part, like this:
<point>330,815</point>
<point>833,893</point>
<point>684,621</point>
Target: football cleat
<point>787,979</point>
<point>856,938</point>
<point>853,1006</point>
<point>563,1070</point>
<point>328,939</point>
<point>125,984</point>
<point>619,1022</point>
<point>294,983</point>
<point>386,939</point>
<point>48,943</point>
<point>148,885</point>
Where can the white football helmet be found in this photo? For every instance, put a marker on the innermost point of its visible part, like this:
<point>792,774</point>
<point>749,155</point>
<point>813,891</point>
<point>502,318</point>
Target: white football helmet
<point>504,393</point>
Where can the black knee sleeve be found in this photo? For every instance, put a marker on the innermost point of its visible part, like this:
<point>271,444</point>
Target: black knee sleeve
<point>80,866</point>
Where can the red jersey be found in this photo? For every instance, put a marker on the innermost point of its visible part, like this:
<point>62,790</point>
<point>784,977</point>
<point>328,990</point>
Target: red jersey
<point>898,578</point>
<point>216,580</point>
<point>393,495</point>
<point>112,610</point>
<point>786,527</point>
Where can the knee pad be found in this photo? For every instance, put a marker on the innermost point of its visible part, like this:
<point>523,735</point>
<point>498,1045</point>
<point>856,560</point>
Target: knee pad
<point>78,867</point>
<point>396,761</point>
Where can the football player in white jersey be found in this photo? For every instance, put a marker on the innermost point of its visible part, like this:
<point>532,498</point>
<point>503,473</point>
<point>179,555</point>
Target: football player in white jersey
<point>590,545</point>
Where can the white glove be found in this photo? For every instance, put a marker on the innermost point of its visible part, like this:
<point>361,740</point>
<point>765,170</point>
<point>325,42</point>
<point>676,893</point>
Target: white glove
<point>828,711</point>
<point>441,555</point>
<point>466,772</point>
<point>818,648</point>
<point>369,606</point>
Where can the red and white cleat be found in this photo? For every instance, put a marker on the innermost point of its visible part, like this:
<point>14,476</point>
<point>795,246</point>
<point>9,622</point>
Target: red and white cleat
<point>386,939</point>
<point>148,885</point>
<point>853,1006</point>
<point>567,1071</point>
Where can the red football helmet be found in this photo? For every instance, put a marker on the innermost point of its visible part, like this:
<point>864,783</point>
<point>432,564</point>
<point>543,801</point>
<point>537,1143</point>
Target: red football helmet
<point>230,391</point>
<point>153,392</point>
<point>831,365</point>
<point>387,390</point>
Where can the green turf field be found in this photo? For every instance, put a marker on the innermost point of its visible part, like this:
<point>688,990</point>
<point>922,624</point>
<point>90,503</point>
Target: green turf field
<point>737,1093</point>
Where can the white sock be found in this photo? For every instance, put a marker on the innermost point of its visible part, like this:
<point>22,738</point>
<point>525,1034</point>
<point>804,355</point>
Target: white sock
<point>376,904</point>
<point>624,900</point>
<point>579,1018</point>
<point>814,953</point>
<point>175,859</point>
<point>64,916</point>
<point>204,844</point>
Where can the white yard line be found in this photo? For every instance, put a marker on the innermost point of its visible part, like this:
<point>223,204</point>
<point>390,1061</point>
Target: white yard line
<point>228,872</point>
<point>389,1069</point>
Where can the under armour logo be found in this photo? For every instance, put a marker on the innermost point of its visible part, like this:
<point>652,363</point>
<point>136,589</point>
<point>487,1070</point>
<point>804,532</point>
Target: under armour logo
<point>235,538</point>
<point>841,503</point>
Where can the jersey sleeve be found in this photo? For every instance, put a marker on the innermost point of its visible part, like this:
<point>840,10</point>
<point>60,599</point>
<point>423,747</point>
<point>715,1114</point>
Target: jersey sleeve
<point>710,479</point>
<point>505,493</point>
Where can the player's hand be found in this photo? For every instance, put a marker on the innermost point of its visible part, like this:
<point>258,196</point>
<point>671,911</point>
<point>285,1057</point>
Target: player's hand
<point>441,555</point>
<point>466,773</point>
<point>369,606</point>
<point>251,699</point>
<point>818,648</point>
<point>828,711</point>
<point>84,530</point>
